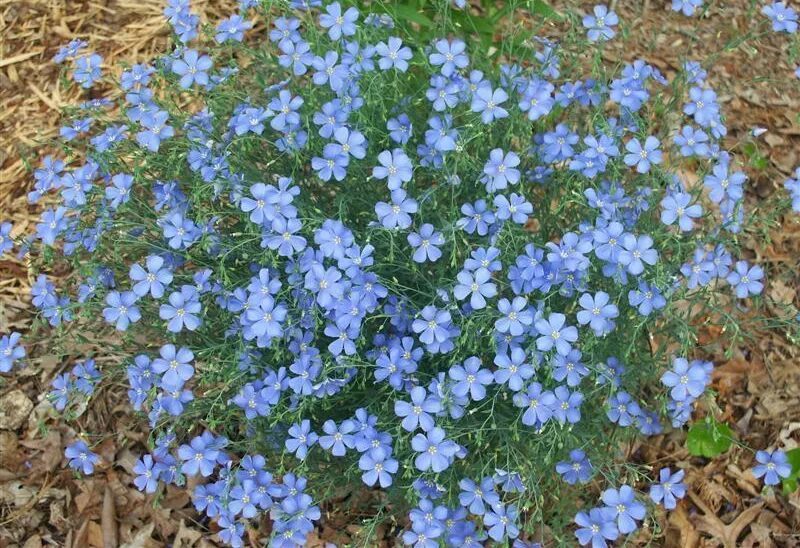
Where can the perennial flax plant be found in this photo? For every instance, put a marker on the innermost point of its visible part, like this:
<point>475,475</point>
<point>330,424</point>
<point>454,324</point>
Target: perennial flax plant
<point>348,246</point>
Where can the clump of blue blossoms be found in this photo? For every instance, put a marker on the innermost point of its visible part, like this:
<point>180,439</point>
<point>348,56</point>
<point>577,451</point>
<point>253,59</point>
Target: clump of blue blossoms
<point>337,255</point>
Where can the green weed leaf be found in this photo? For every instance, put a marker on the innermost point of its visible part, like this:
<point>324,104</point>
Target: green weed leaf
<point>709,439</point>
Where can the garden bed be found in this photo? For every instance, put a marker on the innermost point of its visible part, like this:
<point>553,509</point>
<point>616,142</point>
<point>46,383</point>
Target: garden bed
<point>758,383</point>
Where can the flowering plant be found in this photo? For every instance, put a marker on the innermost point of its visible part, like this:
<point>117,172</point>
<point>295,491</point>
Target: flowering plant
<point>335,253</point>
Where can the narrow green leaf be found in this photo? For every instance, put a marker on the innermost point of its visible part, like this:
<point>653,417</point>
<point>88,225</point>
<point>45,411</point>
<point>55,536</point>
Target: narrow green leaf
<point>540,7</point>
<point>411,13</point>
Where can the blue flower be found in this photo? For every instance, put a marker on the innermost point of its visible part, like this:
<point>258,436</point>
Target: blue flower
<point>669,488</point>
<point>676,208</point>
<point>338,24</point>
<point>686,380</point>
<point>792,185</point>
<point>417,414</point>
<point>343,335</point>
<point>500,170</point>
<point>259,206</point>
<point>332,164</point>
<point>337,439</point>
<point>146,479</point>
<point>471,379</point>
<point>87,70</point>
<point>687,7</point>
<point>537,98</point>
<point>450,55</point>
<point>192,68</point>
<point>285,106</point>
<point>443,93</point>
<point>435,451</point>
<point>62,388</point>
<point>441,136</point>
<point>484,258</point>
<point>553,332</point>
<point>426,244</point>
<point>477,285</point>
<point>701,269</point>
<point>570,252</point>
<point>475,497</point>
<point>512,370</point>
<point>284,237</point>
<point>301,439</point>
<point>722,184</point>
<point>487,101</point>
<point>577,470</point>
<point>599,24</point>
<point>81,458</point>
<point>10,351</point>
<point>478,218</point>
<point>297,55</point>
<point>422,535</point>
<point>207,498</point>
<point>516,208</point>
<point>377,469</point>
<point>285,30</point>
<point>389,366</point>
<point>501,521</point>
<point>232,28</point>
<point>646,298</point>
<point>53,223</point>
<point>772,466</point>
<point>86,377</point>
<point>182,311</point>
<point>399,128</point>
<point>537,403</point>
<point>242,498</point>
<point>746,279</point>
<point>77,128</point>
<point>324,283</point>
<point>643,156</point>
<point>264,319</point>
<point>328,72</point>
<point>175,365</point>
<point>597,312</point>
<point>358,59</point>
<point>569,367</point>
<point>394,166</point>
<point>702,105</point>
<point>516,316</point>
<point>693,142</point>
<point>121,310</point>
<point>637,250</point>
<point>6,243</point>
<point>332,117</point>
<point>201,454</point>
<point>626,509</point>
<point>557,145</point>
<point>349,142</point>
<point>597,527</point>
<point>398,213</point>
<point>252,401</point>
<point>567,405</point>
<point>156,129</point>
<point>179,231</point>
<point>68,51</point>
<point>622,409</point>
<point>59,311</point>
<point>784,18</point>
